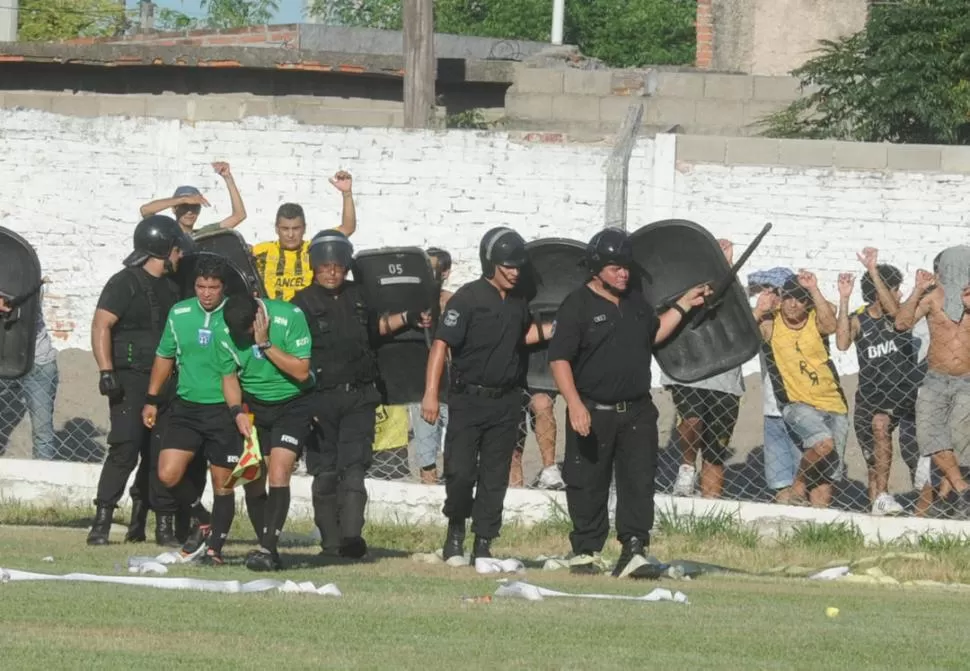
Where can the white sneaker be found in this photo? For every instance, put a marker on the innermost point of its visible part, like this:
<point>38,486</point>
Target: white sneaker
<point>885,504</point>
<point>551,478</point>
<point>686,476</point>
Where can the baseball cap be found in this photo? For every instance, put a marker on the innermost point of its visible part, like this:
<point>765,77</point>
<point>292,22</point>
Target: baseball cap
<point>186,191</point>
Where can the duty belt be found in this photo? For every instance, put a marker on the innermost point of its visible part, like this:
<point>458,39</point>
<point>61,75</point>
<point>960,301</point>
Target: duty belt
<point>347,386</point>
<point>479,390</point>
<point>622,406</point>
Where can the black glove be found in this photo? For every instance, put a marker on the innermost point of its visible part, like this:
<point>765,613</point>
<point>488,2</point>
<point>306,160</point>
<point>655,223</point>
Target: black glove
<point>412,318</point>
<point>109,385</point>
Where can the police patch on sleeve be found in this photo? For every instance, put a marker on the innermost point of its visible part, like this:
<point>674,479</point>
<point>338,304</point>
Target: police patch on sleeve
<point>451,317</point>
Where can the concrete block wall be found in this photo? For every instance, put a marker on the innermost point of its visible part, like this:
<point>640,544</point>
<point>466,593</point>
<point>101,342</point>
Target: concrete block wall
<point>597,100</point>
<point>75,184</point>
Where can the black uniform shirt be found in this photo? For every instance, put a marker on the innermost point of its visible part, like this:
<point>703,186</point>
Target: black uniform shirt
<point>344,332</point>
<point>608,346</point>
<point>889,373</point>
<point>486,335</point>
<point>123,297</point>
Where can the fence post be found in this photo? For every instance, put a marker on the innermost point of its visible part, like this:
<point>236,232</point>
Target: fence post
<point>618,167</point>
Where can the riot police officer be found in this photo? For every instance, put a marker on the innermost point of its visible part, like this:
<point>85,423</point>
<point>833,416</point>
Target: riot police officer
<point>600,357</point>
<point>487,326</point>
<point>344,331</point>
<point>124,334</point>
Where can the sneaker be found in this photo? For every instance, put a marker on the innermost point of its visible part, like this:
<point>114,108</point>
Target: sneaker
<point>212,558</point>
<point>885,504</point>
<point>632,556</point>
<point>195,544</point>
<point>585,564</point>
<point>551,478</point>
<point>263,560</point>
<point>686,477</point>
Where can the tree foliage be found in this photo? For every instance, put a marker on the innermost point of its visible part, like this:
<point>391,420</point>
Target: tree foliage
<point>238,13</point>
<point>904,78</point>
<point>624,33</point>
<point>54,20</point>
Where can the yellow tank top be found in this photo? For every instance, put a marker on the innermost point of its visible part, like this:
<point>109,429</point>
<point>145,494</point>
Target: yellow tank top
<point>801,369</point>
<point>284,271</point>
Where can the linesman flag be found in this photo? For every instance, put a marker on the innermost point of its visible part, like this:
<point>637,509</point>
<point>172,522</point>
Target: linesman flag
<point>250,466</point>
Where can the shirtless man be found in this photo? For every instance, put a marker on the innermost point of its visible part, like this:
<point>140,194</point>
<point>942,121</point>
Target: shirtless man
<point>943,405</point>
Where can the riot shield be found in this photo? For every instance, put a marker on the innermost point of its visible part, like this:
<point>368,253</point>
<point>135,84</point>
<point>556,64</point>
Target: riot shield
<point>398,279</point>
<point>231,245</point>
<point>20,284</point>
<point>674,255</point>
<point>237,282</point>
<point>556,267</point>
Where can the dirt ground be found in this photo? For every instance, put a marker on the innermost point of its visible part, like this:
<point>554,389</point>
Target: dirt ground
<point>81,422</point>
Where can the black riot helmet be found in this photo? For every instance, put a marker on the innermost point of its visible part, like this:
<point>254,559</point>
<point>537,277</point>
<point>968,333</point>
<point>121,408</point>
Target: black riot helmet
<point>331,247</point>
<point>891,276</point>
<point>611,246</point>
<point>154,238</point>
<point>501,247</point>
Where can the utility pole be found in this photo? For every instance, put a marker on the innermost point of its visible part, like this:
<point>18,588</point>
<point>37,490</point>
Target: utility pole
<point>419,65</point>
<point>558,18</point>
<point>146,23</point>
<point>8,20</point>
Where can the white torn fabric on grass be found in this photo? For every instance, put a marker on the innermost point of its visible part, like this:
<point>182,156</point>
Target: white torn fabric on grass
<point>523,590</point>
<point>194,584</point>
<point>483,565</point>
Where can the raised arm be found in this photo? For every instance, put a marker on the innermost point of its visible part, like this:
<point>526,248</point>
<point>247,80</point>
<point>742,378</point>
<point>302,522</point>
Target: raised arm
<point>344,183</point>
<point>870,259</point>
<point>825,318</point>
<point>847,325</point>
<point>918,304</point>
<point>763,312</point>
<point>238,214</point>
<point>670,319</point>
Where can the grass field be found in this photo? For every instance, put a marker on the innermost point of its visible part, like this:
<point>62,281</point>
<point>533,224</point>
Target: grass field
<point>399,613</point>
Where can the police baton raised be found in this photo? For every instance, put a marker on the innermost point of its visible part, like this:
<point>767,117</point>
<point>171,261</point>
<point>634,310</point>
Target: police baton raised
<point>722,285</point>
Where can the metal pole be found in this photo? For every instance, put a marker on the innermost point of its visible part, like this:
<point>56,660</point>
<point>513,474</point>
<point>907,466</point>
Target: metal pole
<point>558,18</point>
<point>8,20</point>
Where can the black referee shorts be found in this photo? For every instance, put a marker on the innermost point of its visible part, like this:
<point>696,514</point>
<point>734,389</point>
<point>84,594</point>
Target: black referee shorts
<point>209,428</point>
<point>282,423</point>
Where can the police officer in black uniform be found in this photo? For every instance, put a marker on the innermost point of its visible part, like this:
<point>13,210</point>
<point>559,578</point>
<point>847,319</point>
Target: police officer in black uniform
<point>125,332</point>
<point>600,358</point>
<point>344,331</point>
<point>487,325</point>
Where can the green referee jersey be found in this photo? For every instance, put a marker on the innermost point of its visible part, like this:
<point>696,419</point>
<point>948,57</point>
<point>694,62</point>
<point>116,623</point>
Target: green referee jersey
<point>258,376</point>
<point>190,337</point>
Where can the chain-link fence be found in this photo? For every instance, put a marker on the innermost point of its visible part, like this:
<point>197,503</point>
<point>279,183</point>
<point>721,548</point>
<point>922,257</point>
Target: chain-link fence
<point>793,430</point>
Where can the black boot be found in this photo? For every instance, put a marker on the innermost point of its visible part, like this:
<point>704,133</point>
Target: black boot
<point>455,540</point>
<point>482,548</point>
<point>632,556</point>
<point>165,531</point>
<point>183,526</point>
<point>102,525</point>
<point>353,548</point>
<point>139,518</point>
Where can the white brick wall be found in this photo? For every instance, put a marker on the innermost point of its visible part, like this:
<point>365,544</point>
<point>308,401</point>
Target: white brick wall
<point>73,186</point>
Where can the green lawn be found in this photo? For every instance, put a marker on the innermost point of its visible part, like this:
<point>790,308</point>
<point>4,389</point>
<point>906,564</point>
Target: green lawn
<point>398,613</point>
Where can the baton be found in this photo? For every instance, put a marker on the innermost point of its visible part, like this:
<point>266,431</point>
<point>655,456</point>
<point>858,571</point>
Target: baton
<point>711,303</point>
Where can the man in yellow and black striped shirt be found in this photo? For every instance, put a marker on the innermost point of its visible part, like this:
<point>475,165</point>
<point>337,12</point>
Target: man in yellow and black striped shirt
<point>284,264</point>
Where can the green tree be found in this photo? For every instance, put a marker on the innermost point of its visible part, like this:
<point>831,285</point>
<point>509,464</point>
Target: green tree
<point>238,13</point>
<point>624,33</point>
<point>53,20</point>
<point>904,78</point>
<point>167,20</point>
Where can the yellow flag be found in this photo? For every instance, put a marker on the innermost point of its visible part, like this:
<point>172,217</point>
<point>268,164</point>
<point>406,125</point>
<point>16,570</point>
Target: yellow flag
<point>250,466</point>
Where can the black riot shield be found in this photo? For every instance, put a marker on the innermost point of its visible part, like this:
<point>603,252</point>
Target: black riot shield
<point>556,267</point>
<point>398,279</point>
<point>675,255</point>
<point>232,246</point>
<point>20,284</point>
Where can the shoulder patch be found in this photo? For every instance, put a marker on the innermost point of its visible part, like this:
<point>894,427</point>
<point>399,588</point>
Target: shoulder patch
<point>451,317</point>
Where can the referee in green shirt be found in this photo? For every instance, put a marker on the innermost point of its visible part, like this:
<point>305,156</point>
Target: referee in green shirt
<point>199,419</point>
<point>266,356</point>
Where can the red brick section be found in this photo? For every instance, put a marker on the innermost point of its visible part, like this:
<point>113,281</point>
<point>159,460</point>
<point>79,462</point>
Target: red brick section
<point>287,36</point>
<point>705,35</point>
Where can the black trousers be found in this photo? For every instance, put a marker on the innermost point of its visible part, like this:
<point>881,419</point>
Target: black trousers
<point>624,442</point>
<point>482,435</point>
<point>338,456</point>
<point>132,445</point>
